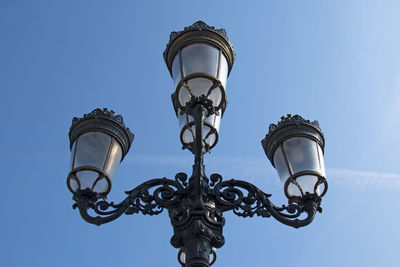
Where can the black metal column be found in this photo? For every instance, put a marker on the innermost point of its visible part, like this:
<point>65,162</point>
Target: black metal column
<point>197,229</point>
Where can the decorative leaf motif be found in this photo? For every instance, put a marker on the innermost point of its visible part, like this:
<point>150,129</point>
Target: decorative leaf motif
<point>246,200</point>
<point>149,198</point>
<point>243,198</point>
<point>197,26</point>
<point>286,121</point>
<point>106,114</point>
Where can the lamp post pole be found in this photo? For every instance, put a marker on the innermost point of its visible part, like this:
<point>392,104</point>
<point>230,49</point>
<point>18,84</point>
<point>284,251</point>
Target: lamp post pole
<point>200,228</point>
<point>199,59</point>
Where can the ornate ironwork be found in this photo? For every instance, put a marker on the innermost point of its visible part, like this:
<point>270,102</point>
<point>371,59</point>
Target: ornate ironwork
<point>243,198</point>
<point>149,198</point>
<point>102,120</point>
<point>196,205</point>
<point>199,32</point>
<point>105,114</point>
<point>197,26</point>
<point>197,229</point>
<point>202,100</point>
<point>290,126</point>
<point>288,120</point>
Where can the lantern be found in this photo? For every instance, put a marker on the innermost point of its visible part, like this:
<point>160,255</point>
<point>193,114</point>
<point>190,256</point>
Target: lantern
<point>295,147</point>
<point>199,59</point>
<point>99,141</point>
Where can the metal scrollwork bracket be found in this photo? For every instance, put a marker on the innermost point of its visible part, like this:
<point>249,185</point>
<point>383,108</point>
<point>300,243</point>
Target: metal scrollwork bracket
<point>197,230</point>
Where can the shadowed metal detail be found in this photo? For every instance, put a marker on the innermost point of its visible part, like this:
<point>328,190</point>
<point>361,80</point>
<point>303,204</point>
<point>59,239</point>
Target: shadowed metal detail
<point>152,197</point>
<point>106,114</point>
<point>196,204</point>
<point>289,126</point>
<point>103,120</point>
<point>199,32</point>
<point>198,26</point>
<point>289,119</point>
<point>201,26</point>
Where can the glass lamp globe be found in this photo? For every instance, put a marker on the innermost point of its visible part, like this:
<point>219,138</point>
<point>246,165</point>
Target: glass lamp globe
<point>99,141</point>
<point>295,147</point>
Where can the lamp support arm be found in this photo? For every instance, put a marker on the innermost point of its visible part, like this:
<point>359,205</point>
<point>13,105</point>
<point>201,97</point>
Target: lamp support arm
<point>149,198</point>
<point>247,200</point>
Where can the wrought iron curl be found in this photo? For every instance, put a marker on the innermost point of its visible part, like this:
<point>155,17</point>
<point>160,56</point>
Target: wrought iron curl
<point>289,215</point>
<point>293,211</point>
<point>149,198</point>
<point>86,200</point>
<point>247,200</point>
<point>181,178</point>
<point>239,196</point>
<point>102,206</point>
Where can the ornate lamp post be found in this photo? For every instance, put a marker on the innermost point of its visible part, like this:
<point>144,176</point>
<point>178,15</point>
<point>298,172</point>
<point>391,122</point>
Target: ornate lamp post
<point>199,59</point>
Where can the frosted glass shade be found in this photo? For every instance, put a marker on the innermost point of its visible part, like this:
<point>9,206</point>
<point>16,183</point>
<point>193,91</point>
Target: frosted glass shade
<point>300,160</point>
<point>295,147</point>
<point>210,129</point>
<point>199,59</point>
<point>95,157</point>
<point>98,141</point>
<point>200,69</point>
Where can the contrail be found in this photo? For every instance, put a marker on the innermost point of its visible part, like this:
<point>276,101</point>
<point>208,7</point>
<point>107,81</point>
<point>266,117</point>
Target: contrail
<point>259,170</point>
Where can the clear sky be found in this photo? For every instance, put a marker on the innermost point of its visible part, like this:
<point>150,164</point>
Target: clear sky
<point>334,61</point>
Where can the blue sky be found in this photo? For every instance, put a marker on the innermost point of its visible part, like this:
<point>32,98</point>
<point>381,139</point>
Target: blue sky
<point>334,61</point>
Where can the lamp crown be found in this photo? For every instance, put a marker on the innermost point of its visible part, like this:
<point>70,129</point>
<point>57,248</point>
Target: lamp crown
<point>290,126</point>
<point>103,114</point>
<point>190,34</point>
<point>198,26</point>
<point>102,120</point>
<point>289,119</point>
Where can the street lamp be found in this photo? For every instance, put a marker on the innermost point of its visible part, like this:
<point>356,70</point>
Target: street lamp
<point>199,59</point>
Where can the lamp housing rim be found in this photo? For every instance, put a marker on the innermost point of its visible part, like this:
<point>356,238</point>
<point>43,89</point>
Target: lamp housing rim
<point>199,32</point>
<point>321,180</point>
<point>289,127</point>
<point>197,99</point>
<point>102,120</point>
<point>102,174</point>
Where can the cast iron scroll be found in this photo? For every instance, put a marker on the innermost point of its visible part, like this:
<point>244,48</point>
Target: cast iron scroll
<point>243,198</point>
<point>197,230</point>
<point>149,198</point>
<point>196,205</point>
<point>247,200</point>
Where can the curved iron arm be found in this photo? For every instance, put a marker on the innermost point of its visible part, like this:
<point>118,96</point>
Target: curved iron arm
<point>197,229</point>
<point>247,200</point>
<point>149,198</point>
<point>153,196</point>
